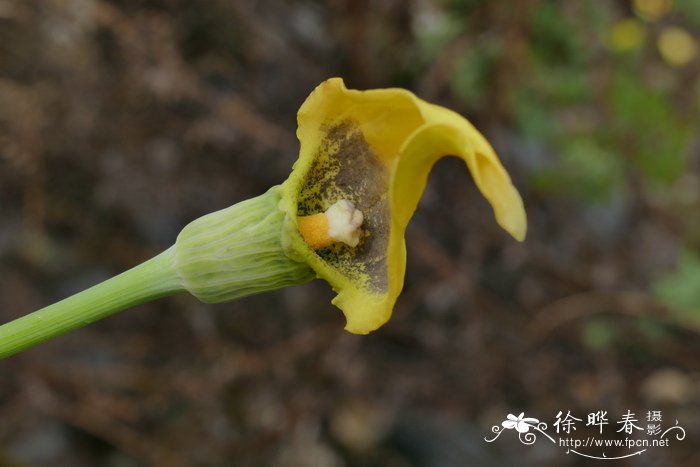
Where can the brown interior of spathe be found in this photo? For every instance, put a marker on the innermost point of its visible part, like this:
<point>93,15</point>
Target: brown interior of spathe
<point>346,167</point>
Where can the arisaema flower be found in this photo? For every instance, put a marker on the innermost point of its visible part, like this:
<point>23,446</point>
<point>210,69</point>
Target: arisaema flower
<point>341,216</point>
<point>375,149</point>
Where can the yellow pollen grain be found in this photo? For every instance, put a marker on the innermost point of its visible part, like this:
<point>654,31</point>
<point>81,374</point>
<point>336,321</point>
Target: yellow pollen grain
<point>314,230</point>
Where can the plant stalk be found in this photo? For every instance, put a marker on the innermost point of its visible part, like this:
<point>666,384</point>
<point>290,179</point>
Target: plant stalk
<point>150,280</point>
<point>222,256</point>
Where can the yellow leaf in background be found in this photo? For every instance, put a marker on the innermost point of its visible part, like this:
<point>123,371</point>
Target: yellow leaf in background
<point>676,46</point>
<point>626,35</point>
<point>652,10</point>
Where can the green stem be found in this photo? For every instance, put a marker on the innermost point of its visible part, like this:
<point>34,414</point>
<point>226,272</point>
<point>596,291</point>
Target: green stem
<point>150,280</point>
<point>222,256</point>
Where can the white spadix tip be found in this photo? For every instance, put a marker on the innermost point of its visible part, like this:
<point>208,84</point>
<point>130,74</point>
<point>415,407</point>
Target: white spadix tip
<point>344,222</point>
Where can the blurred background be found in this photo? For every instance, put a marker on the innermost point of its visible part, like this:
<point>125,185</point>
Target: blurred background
<point>121,121</point>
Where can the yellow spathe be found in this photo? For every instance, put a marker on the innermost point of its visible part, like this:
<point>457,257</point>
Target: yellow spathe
<point>376,148</point>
